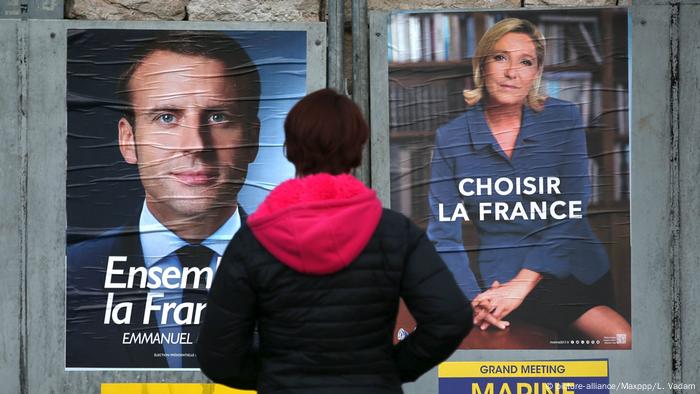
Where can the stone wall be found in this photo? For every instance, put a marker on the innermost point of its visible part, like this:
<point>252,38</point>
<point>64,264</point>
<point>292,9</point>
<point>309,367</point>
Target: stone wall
<point>276,10</point>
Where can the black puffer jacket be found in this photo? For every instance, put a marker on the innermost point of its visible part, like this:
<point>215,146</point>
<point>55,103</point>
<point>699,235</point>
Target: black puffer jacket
<point>319,269</point>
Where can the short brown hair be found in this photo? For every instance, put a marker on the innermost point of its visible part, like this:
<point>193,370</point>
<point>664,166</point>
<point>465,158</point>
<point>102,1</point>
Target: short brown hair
<point>325,132</point>
<point>209,45</point>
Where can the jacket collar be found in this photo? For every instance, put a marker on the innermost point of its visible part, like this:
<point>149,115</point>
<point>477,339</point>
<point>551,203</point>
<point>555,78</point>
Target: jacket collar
<point>158,241</point>
<point>480,135</point>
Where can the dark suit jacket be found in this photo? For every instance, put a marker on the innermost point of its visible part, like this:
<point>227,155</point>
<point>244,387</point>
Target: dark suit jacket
<point>89,342</point>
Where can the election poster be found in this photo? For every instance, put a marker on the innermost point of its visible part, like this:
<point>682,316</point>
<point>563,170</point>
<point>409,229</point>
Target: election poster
<point>174,138</point>
<point>525,377</point>
<point>509,145</point>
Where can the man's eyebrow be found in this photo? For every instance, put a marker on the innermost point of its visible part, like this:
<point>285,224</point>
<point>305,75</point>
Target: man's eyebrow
<point>163,108</point>
<point>214,108</point>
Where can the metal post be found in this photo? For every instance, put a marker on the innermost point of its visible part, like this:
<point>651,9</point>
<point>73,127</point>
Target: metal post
<point>360,75</point>
<point>335,26</point>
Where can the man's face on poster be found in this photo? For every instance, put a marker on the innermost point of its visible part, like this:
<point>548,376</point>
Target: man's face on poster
<point>190,138</point>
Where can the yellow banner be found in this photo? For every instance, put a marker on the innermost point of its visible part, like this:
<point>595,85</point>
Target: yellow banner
<point>168,388</point>
<point>528,369</point>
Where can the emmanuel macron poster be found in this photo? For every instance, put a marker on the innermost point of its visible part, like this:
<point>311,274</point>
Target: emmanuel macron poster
<point>174,137</point>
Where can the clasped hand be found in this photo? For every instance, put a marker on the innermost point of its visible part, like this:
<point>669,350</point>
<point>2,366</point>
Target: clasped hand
<point>494,304</point>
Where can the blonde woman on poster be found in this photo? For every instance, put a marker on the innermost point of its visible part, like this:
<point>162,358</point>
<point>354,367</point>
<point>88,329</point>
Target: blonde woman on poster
<point>515,164</point>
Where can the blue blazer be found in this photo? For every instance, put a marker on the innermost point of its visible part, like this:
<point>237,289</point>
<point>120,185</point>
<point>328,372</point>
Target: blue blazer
<point>551,143</point>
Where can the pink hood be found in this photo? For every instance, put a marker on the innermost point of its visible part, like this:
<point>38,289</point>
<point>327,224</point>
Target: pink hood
<point>317,224</point>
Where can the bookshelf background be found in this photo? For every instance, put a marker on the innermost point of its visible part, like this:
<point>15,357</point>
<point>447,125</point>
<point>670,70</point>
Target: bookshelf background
<point>585,63</point>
